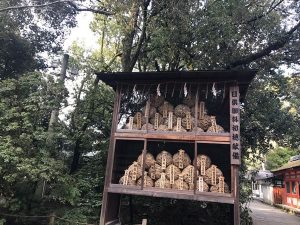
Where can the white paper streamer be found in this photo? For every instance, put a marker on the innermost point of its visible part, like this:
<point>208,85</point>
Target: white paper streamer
<point>185,91</point>
<point>214,90</point>
<point>134,89</point>
<point>158,90</point>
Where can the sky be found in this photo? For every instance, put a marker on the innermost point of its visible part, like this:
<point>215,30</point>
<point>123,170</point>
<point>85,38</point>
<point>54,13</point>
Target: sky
<point>82,32</point>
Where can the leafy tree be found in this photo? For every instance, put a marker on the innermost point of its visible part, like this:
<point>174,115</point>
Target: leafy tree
<point>25,108</point>
<point>279,156</point>
<point>143,35</point>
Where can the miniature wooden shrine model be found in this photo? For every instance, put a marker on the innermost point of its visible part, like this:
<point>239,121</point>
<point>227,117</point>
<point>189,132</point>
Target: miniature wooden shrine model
<point>175,135</point>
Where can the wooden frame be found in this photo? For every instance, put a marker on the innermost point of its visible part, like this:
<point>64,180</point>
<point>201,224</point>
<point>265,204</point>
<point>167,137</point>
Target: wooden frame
<point>113,192</point>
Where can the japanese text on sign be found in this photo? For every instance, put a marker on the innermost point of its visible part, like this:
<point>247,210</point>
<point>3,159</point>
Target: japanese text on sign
<point>235,149</point>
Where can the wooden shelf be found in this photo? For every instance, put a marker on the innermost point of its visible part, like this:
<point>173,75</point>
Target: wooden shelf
<point>203,137</point>
<point>169,193</point>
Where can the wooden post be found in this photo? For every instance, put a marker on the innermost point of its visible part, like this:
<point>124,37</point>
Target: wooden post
<point>52,219</point>
<point>110,202</point>
<point>235,148</point>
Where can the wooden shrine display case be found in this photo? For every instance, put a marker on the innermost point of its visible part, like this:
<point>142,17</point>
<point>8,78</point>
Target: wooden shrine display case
<point>175,135</point>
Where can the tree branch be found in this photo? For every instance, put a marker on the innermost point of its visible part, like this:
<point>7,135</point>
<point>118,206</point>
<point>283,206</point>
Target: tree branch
<point>97,11</point>
<point>267,50</point>
<point>70,3</point>
<point>272,7</point>
<point>143,34</point>
<point>32,6</point>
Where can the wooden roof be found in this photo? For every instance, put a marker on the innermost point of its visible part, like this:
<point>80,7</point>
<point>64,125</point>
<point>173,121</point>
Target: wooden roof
<point>288,165</point>
<point>241,77</point>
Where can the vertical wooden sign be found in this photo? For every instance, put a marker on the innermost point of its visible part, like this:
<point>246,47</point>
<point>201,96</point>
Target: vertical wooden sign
<point>162,182</point>
<point>202,165</point>
<point>178,126</point>
<point>172,174</point>
<point>200,184</point>
<point>145,178</point>
<point>235,148</point>
<point>191,175</point>
<point>147,109</point>
<point>213,123</point>
<point>221,185</point>
<point>139,120</point>
<point>165,110</point>
<point>201,110</point>
<point>213,175</point>
<point>164,161</point>
<point>126,176</point>
<point>180,182</point>
<point>152,174</point>
<point>130,123</point>
<point>181,156</point>
<point>170,121</point>
<point>188,121</point>
<point>134,171</point>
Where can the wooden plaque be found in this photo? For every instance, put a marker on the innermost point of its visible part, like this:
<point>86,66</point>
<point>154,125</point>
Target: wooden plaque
<point>188,121</point>
<point>139,120</point>
<point>214,175</point>
<point>200,184</point>
<point>221,185</point>
<point>165,110</point>
<point>235,145</point>
<point>172,174</point>
<point>130,123</point>
<point>202,165</point>
<point>178,126</point>
<point>170,121</point>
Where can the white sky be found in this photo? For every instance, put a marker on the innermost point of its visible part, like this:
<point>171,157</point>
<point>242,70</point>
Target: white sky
<point>82,32</point>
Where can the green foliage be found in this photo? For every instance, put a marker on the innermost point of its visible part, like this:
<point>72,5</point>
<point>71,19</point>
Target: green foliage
<point>66,177</point>
<point>279,156</point>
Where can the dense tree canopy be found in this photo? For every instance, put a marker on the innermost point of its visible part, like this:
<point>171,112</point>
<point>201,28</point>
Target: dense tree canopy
<point>279,156</point>
<point>66,177</point>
